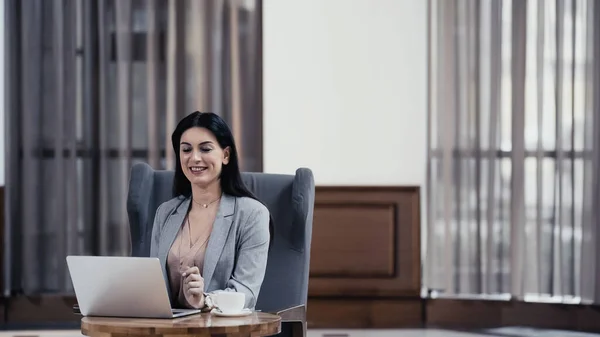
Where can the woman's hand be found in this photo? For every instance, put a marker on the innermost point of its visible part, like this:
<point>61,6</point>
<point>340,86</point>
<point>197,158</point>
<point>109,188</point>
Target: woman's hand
<point>193,287</point>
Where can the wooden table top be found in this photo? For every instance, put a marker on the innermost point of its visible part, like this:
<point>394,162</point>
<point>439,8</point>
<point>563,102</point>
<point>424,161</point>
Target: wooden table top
<point>204,324</point>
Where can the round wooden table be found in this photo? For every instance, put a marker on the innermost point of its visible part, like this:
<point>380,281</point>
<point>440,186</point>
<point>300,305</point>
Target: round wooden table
<point>205,324</point>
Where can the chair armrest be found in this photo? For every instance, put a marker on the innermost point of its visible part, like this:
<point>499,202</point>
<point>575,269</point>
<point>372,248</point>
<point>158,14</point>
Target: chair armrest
<point>293,314</point>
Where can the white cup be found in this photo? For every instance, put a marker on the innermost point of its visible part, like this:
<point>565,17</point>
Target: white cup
<point>229,301</point>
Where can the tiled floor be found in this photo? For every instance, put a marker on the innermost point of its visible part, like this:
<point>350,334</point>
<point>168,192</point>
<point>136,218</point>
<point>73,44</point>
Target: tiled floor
<point>502,332</point>
<point>390,333</point>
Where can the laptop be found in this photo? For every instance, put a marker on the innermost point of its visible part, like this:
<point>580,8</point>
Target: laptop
<point>118,286</point>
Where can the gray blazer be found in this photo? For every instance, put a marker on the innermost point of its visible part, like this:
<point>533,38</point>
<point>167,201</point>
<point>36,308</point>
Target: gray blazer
<point>236,255</point>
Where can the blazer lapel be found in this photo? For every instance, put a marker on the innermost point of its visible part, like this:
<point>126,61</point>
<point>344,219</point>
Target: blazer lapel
<point>172,226</point>
<point>218,237</point>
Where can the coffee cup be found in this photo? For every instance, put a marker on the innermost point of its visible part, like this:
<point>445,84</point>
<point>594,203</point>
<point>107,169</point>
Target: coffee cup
<point>229,301</point>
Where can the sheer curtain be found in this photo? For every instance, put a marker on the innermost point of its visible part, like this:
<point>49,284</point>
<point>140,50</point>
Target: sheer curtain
<point>97,85</point>
<point>514,141</point>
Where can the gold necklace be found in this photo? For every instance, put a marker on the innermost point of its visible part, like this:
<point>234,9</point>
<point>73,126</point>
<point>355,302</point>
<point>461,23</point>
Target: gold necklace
<point>206,205</point>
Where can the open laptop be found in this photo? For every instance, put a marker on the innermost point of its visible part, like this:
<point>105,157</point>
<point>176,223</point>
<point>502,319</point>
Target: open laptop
<point>114,286</point>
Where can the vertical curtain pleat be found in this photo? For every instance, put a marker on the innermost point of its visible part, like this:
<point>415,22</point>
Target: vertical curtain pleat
<point>540,61</point>
<point>152,68</point>
<point>124,97</point>
<point>495,108</point>
<point>216,63</point>
<point>235,80</point>
<point>557,276</point>
<point>89,214</point>
<point>10,248</point>
<point>469,230</point>
<point>456,160</point>
<point>197,11</point>
<point>103,66</point>
<point>209,74</point>
<point>596,149</point>
<point>30,124</point>
<point>57,208</point>
<point>588,217</point>
<point>517,214</point>
<point>572,277</point>
<point>430,245</point>
<point>460,62</point>
<point>476,107</point>
<point>72,102</point>
<point>175,72</point>
<point>447,120</point>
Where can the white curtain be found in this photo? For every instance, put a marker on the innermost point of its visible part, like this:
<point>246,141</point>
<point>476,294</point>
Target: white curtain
<point>513,150</point>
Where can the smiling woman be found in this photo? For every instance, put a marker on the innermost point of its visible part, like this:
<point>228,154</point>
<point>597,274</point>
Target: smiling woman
<point>214,234</point>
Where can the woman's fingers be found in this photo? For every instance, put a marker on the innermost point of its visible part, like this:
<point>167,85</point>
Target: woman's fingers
<point>196,291</point>
<point>191,271</point>
<point>192,278</point>
<point>193,281</point>
<point>195,288</point>
<point>195,284</point>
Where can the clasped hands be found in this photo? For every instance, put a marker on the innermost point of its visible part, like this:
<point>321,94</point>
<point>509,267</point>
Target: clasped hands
<point>193,287</point>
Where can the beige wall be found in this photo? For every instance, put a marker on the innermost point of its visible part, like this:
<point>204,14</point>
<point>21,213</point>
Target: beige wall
<point>345,90</point>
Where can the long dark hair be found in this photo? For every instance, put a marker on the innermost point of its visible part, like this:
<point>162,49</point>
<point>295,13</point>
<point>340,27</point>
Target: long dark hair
<point>231,178</point>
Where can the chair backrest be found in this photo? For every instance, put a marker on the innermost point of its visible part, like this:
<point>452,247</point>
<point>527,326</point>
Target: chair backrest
<point>290,200</point>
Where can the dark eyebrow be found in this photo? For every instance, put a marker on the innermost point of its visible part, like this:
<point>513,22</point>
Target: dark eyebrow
<point>203,143</point>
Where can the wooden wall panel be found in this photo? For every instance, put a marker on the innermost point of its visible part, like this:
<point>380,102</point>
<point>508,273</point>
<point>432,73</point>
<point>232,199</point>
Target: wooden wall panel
<point>342,237</point>
<point>366,242</point>
<point>365,258</point>
<point>363,313</point>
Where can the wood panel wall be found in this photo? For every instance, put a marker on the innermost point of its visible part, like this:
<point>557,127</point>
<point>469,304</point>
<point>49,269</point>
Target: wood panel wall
<point>365,258</point>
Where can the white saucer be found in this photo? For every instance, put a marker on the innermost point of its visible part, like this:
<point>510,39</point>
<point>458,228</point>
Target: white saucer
<point>244,312</point>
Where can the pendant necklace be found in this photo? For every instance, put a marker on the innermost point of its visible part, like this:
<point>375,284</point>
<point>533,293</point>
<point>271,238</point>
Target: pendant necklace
<point>206,205</point>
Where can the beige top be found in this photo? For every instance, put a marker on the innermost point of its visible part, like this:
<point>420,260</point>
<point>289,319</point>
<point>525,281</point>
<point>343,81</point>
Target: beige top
<point>185,254</point>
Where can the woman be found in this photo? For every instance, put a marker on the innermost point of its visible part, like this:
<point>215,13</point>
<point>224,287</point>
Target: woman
<point>214,234</point>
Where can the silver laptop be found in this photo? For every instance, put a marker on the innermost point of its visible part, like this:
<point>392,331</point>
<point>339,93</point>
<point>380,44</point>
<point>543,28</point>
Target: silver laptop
<point>115,286</point>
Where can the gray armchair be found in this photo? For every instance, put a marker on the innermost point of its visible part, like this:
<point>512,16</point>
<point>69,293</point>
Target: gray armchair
<point>290,200</point>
